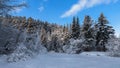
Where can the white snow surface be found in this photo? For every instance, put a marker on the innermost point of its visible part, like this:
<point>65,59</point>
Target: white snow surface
<point>57,60</point>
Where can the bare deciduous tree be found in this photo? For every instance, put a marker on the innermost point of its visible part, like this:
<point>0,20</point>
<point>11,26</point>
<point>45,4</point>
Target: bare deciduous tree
<point>8,5</point>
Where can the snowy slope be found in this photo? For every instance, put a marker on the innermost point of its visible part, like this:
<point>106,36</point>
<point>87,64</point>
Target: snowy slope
<point>52,60</point>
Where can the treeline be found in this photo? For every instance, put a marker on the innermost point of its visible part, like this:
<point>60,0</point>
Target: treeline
<point>72,38</point>
<point>90,36</point>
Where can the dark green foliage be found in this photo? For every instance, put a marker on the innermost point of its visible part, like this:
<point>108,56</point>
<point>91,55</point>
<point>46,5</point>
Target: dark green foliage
<point>75,28</point>
<point>103,34</point>
<point>88,34</point>
<point>87,23</point>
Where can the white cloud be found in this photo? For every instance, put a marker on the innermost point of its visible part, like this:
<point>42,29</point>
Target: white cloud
<point>18,10</point>
<point>82,4</point>
<point>41,8</point>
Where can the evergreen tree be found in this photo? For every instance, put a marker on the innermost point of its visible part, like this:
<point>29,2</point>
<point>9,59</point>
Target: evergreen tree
<point>75,28</point>
<point>103,34</point>
<point>87,23</point>
<point>88,33</point>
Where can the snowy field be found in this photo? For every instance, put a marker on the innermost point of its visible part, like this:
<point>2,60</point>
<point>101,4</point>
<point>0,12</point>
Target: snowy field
<point>52,60</point>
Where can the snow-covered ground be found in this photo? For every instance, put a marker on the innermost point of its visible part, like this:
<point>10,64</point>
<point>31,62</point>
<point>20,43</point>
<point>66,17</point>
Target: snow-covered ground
<point>53,60</point>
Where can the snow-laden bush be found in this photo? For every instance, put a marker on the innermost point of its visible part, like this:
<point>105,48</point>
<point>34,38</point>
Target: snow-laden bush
<point>79,45</point>
<point>113,46</point>
<point>74,47</point>
<point>27,48</point>
<point>8,39</point>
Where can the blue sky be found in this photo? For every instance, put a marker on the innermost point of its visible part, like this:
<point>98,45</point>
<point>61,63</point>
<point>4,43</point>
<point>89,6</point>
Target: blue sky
<point>62,11</point>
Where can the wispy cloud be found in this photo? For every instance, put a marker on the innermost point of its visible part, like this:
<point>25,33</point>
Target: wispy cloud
<point>41,8</point>
<point>82,4</point>
<point>18,10</point>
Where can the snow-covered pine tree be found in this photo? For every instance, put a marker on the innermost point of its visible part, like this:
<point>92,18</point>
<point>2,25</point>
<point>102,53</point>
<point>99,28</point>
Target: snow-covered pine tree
<point>103,34</point>
<point>88,34</point>
<point>75,28</point>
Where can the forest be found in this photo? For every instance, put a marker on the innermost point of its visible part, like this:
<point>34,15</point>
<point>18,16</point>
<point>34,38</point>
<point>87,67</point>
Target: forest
<point>22,37</point>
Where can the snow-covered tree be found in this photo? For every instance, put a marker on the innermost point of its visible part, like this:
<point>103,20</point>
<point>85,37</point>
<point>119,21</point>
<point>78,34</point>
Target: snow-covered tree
<point>74,47</point>
<point>75,28</point>
<point>88,34</point>
<point>8,39</point>
<point>87,23</point>
<point>44,37</point>
<point>113,47</point>
<point>103,34</point>
<point>29,45</point>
